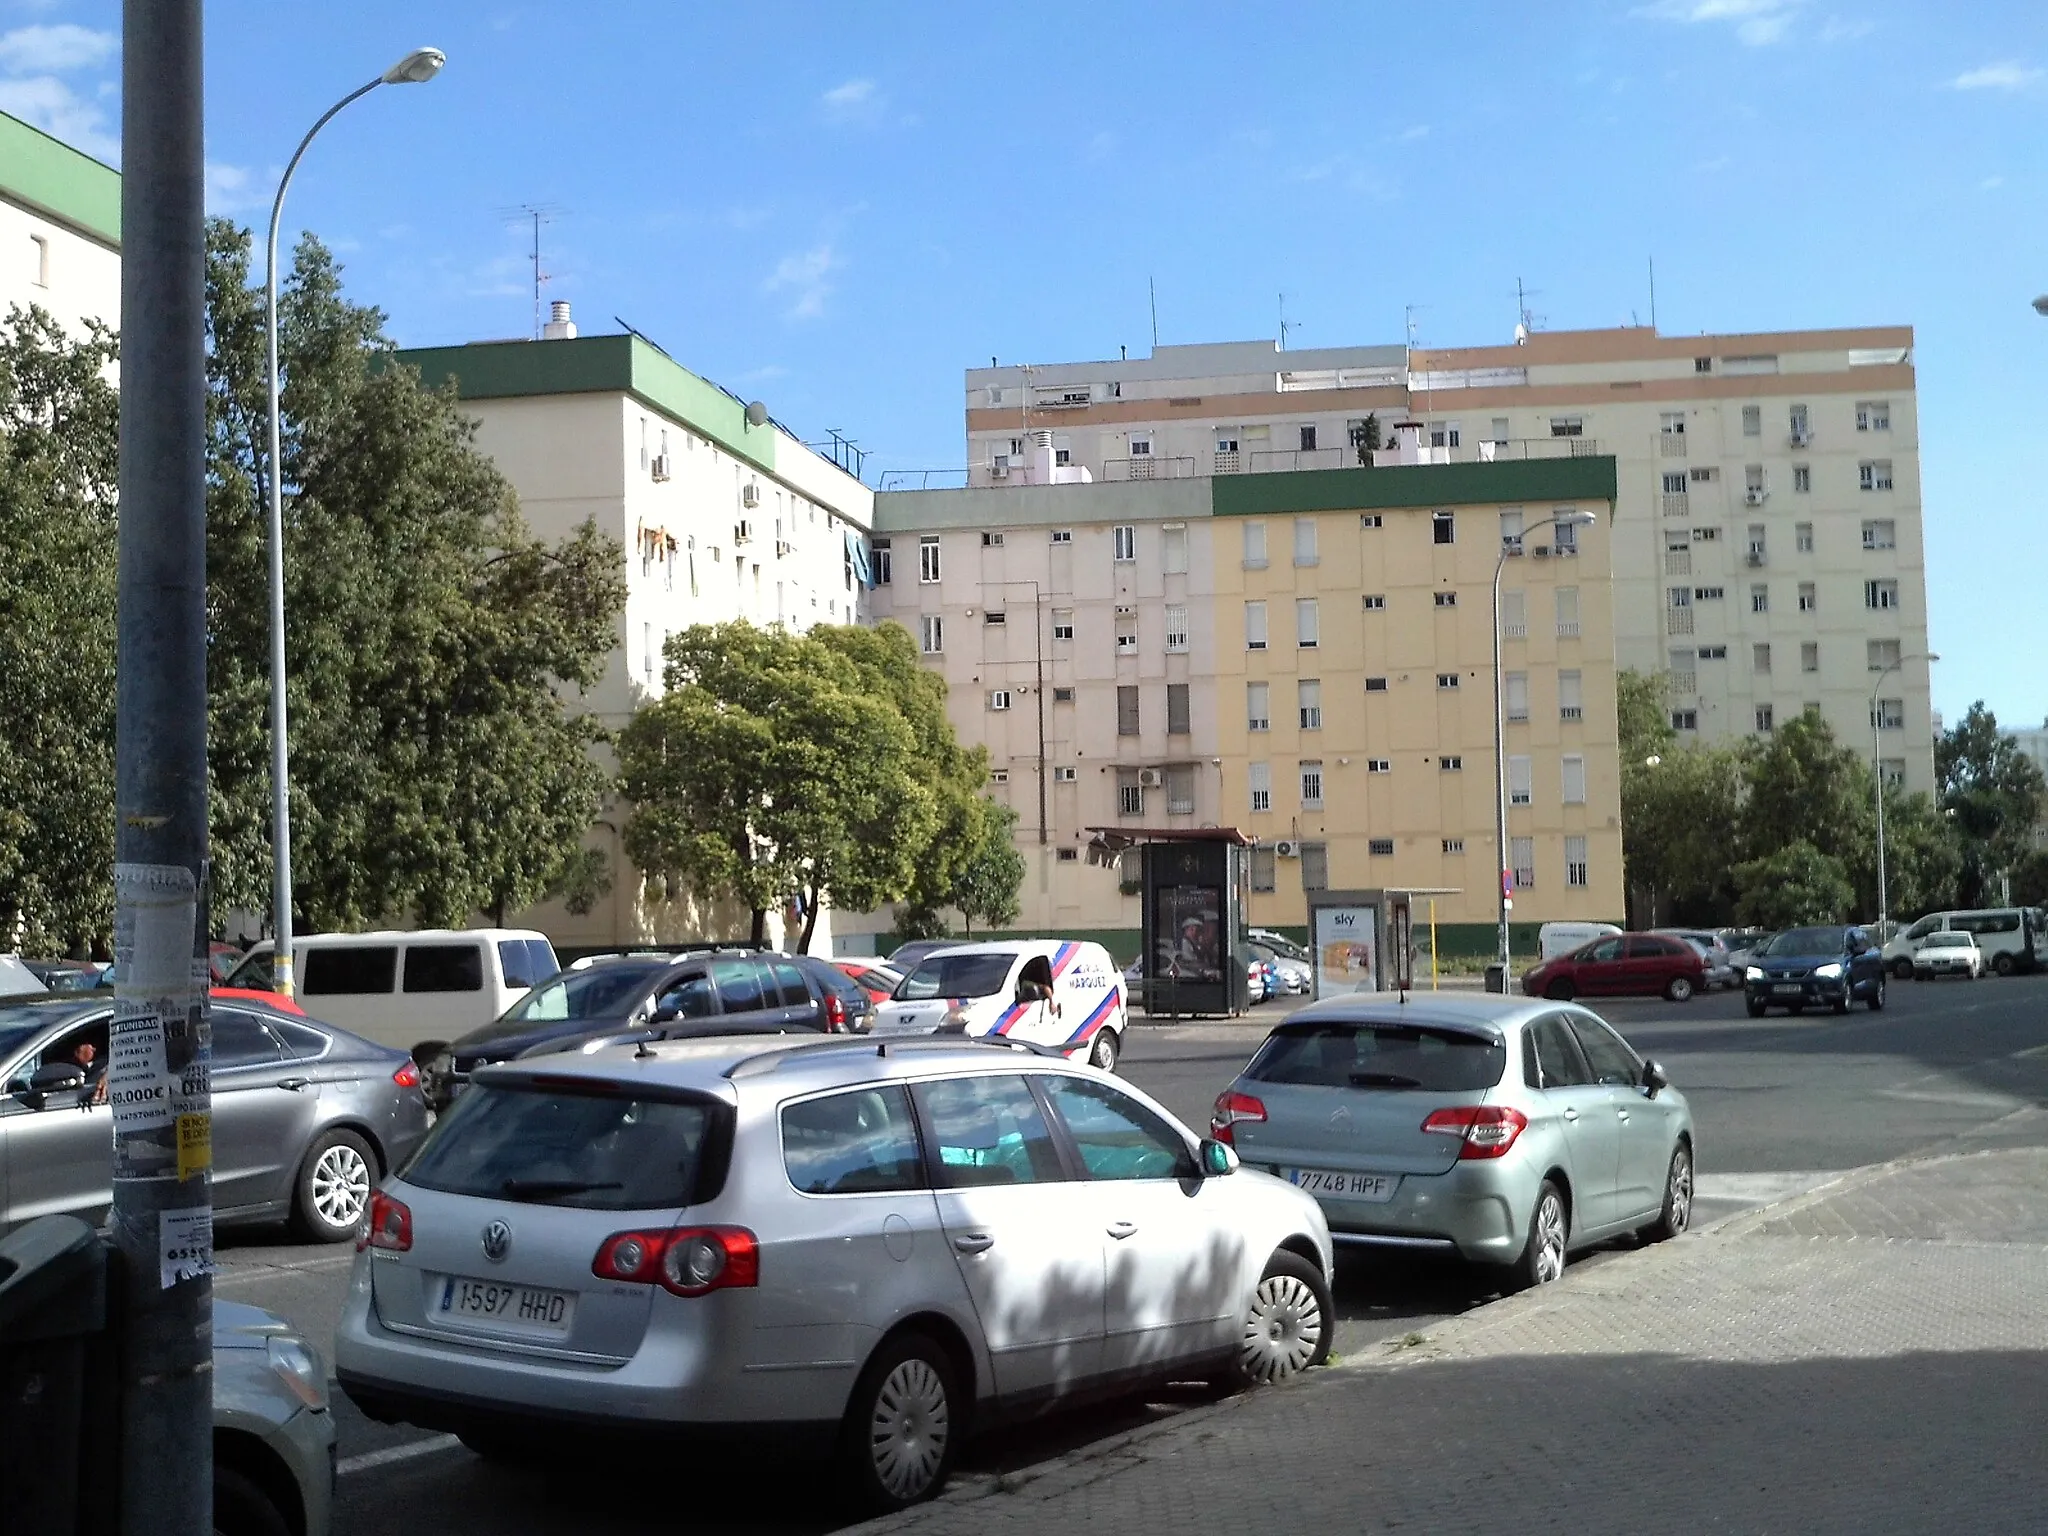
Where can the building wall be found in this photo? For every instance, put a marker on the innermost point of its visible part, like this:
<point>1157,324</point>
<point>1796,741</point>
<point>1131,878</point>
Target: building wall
<point>60,229</point>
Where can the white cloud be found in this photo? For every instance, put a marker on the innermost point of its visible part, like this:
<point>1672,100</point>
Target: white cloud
<point>52,50</point>
<point>853,93</point>
<point>1990,183</point>
<point>804,275</point>
<point>854,101</point>
<point>51,105</point>
<point>1412,135</point>
<point>232,188</point>
<point>1758,23</point>
<point>2007,76</point>
<point>1101,146</point>
<point>1843,29</point>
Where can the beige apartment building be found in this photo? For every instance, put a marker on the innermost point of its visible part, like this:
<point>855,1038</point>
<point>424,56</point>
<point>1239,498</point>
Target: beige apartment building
<point>1306,657</point>
<point>1767,545</point>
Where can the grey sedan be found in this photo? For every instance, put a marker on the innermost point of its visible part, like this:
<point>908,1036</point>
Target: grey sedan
<point>273,1436</point>
<point>1502,1131</point>
<point>306,1117</point>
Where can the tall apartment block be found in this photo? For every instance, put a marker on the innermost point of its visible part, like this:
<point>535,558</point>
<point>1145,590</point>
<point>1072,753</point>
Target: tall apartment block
<point>1767,549</point>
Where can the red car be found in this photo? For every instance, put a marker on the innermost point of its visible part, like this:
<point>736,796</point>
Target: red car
<point>1623,964</point>
<point>879,981</point>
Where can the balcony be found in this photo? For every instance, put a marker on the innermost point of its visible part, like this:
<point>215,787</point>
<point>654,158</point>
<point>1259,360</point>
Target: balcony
<point>1265,461</point>
<point>1568,629</point>
<point>1671,445</point>
<point>1571,712</point>
<point>1149,466</point>
<point>1677,621</point>
<point>1514,629</point>
<point>1228,461</point>
<point>1677,562</point>
<point>1682,682</point>
<point>1675,503</point>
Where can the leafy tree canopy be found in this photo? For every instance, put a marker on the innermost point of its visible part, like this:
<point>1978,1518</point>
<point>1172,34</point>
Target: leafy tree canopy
<point>1993,794</point>
<point>1794,885</point>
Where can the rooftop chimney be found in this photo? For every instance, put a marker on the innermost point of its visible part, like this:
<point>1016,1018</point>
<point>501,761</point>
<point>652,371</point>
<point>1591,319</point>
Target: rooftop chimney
<point>559,327</point>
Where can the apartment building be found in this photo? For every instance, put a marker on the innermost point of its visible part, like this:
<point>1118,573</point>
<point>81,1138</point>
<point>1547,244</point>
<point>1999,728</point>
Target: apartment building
<point>722,516</point>
<point>1305,656</point>
<point>1767,546</point>
<point>60,228</point>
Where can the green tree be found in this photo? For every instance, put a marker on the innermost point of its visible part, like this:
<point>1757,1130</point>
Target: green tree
<point>1805,786</point>
<point>1993,794</point>
<point>1922,860</point>
<point>986,882</point>
<point>1794,885</point>
<point>1682,824</point>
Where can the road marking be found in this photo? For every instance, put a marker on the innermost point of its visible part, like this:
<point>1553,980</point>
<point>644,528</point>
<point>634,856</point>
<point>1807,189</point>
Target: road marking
<point>268,1270</point>
<point>384,1458</point>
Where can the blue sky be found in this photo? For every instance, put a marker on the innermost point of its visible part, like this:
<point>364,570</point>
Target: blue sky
<point>838,207</point>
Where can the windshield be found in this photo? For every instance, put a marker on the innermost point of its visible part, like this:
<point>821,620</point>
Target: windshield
<point>956,976</point>
<point>1805,941</point>
<point>1379,1056</point>
<point>20,1023</point>
<point>1286,948</point>
<point>602,992</point>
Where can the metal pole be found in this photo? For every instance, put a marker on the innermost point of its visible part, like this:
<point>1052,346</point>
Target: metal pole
<point>1500,777</point>
<point>161,1047</point>
<point>1877,783</point>
<point>1038,655</point>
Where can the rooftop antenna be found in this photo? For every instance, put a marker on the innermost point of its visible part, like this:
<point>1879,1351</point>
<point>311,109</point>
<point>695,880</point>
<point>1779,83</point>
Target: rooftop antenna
<point>1152,292</point>
<point>1284,326</point>
<point>534,215</point>
<point>1653,293</point>
<point>1526,320</point>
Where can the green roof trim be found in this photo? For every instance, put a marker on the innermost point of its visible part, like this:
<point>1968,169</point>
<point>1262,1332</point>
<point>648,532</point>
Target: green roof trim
<point>1591,478</point>
<point>57,181</point>
<point>586,365</point>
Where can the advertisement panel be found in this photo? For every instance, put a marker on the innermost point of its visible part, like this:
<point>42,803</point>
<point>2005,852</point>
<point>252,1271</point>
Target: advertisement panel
<point>1345,946</point>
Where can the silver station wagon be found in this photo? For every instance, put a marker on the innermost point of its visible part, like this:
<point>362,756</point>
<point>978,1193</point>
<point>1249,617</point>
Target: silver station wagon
<point>1502,1131</point>
<point>861,1248</point>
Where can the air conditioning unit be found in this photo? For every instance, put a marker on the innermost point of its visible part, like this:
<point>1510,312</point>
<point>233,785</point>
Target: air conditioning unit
<point>1540,551</point>
<point>658,466</point>
<point>1150,778</point>
<point>1000,470</point>
<point>1286,848</point>
<point>743,531</point>
<point>1755,496</point>
<point>750,495</point>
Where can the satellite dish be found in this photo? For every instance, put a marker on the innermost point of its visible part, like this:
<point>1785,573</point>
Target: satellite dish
<point>757,415</point>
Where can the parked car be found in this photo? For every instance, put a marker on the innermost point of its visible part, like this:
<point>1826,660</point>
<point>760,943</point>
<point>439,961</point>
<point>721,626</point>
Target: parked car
<point>68,975</point>
<point>306,1117</point>
<point>628,998</point>
<point>1721,969</point>
<point>17,980</point>
<point>2009,938</point>
<point>1499,1131</point>
<point>907,957</point>
<point>1623,964</point>
<point>878,978</point>
<point>1830,966</point>
<point>1290,977</point>
<point>841,1250</point>
<point>1951,952</point>
<point>1741,942</point>
<point>1554,939</point>
<point>849,1006</point>
<point>1257,979</point>
<point>1054,992</point>
<point>273,1435</point>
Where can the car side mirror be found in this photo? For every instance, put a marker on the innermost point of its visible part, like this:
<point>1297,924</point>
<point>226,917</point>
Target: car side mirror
<point>667,1015</point>
<point>57,1077</point>
<point>1218,1158</point>
<point>1654,1080</point>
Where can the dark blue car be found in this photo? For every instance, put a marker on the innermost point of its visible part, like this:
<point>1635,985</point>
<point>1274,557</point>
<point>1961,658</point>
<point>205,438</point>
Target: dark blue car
<point>1826,967</point>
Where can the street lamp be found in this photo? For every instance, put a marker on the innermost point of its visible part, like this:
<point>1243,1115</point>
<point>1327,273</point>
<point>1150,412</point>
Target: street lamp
<point>1505,893</point>
<point>2041,305</point>
<point>1877,759</point>
<point>417,67</point>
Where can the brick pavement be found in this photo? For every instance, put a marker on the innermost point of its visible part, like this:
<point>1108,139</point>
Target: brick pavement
<point>1871,1357</point>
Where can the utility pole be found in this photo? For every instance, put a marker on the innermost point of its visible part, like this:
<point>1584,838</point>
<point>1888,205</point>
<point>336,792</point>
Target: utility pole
<point>161,1048</point>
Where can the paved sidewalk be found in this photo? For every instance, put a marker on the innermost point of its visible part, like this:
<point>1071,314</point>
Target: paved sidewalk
<point>1870,1357</point>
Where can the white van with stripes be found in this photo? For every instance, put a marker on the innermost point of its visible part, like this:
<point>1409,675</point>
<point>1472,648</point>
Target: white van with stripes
<point>1053,992</point>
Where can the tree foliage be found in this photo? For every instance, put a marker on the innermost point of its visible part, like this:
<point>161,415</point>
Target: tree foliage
<point>987,878</point>
<point>1993,794</point>
<point>1793,885</point>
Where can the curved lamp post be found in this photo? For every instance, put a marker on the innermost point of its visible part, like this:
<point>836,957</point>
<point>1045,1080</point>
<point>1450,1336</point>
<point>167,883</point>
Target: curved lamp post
<point>417,67</point>
<point>1500,762</point>
<point>1877,761</point>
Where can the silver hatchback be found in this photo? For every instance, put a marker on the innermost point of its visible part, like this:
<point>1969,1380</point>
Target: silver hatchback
<point>855,1248</point>
<point>1503,1131</point>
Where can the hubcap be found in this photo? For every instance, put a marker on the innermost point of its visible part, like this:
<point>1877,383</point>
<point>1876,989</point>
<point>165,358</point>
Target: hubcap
<point>1549,1239</point>
<point>341,1186</point>
<point>1680,1199</point>
<point>1105,1050</point>
<point>909,1428</point>
<point>1282,1329</point>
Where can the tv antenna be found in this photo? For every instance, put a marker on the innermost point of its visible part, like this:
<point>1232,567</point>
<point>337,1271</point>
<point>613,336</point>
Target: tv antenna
<point>1526,320</point>
<point>534,215</point>
<point>1285,324</point>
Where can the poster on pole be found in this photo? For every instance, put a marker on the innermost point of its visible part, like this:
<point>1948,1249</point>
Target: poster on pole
<point>1345,949</point>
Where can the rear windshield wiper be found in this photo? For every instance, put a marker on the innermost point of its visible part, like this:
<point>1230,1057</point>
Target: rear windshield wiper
<point>1383,1080</point>
<point>527,1189</point>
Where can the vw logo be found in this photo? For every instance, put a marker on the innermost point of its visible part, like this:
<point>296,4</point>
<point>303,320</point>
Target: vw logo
<point>497,1241</point>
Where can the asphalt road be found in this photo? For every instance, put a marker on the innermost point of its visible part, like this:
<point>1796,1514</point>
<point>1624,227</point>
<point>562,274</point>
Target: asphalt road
<point>1778,1104</point>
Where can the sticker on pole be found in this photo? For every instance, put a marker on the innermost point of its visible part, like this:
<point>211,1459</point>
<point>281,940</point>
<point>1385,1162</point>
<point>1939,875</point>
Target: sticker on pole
<point>140,1085</point>
<point>195,1145</point>
<point>184,1245</point>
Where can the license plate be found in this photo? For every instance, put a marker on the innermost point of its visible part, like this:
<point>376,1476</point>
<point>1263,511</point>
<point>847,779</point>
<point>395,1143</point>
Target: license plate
<point>1788,989</point>
<point>1346,1186</point>
<point>506,1306</point>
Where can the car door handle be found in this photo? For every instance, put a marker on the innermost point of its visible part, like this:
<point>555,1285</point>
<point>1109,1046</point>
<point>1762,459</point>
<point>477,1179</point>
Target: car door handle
<point>974,1242</point>
<point>1570,1113</point>
<point>1122,1229</point>
<point>295,1083</point>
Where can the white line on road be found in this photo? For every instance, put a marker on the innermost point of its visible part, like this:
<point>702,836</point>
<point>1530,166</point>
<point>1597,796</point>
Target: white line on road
<point>384,1458</point>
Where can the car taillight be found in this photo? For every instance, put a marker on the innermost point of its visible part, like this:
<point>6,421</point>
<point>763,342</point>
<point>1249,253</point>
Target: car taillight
<point>1232,1107</point>
<point>407,1076</point>
<point>387,1225</point>
<point>689,1261</point>
<point>1486,1130</point>
<point>835,1014</point>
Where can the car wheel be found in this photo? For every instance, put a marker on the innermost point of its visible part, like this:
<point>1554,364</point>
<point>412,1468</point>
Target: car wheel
<point>1756,1009</point>
<point>1677,1213</point>
<point>1679,989</point>
<point>1903,969</point>
<point>1841,1004</point>
<point>1560,991</point>
<point>1542,1259</point>
<point>334,1187</point>
<point>902,1426</point>
<point>2003,965</point>
<point>1875,1002</point>
<point>241,1508</point>
<point>1287,1323</point>
<point>1103,1052</point>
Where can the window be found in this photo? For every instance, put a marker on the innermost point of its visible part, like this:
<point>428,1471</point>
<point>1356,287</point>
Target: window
<point>1758,535</point>
<point>1130,794</point>
<point>1575,861</point>
<point>1522,860</point>
<point>39,264</point>
<point>651,648</point>
<point>1671,423</point>
<point>1255,545</point>
<point>987,1130</point>
<point>1766,719</point>
<point>1802,479</point>
<point>1809,655</point>
<point>1874,475</point>
<point>1141,447</point>
<point>1444,435</point>
<point>1760,656</point>
<point>350,970</point>
<point>1447,599</point>
<point>1063,623</point>
<point>1514,614</point>
<point>1127,709</point>
<point>1809,597</point>
<point>1176,627</point>
<point>1372,520</point>
<point>1893,771</point>
<point>1264,867</point>
<point>1312,786</point>
<point>1881,594</point>
<point>1379,765</point>
<point>1308,437</point>
<point>999,776</point>
<point>1315,866</point>
<point>927,561</point>
<point>1255,626</point>
<point>1261,780</point>
<point>1180,789</point>
<point>1450,764</point>
<point>1309,700</point>
<point>1567,612</point>
<point>1123,541</point>
<point>1879,533</point>
<point>1070,855</point>
<point>526,962</point>
<point>1447,679</point>
<point>1703,365</point>
<point>1063,775</point>
<point>1226,440</point>
<point>994,617</point>
<point>1521,781</point>
<point>444,968</point>
<point>1498,431</point>
<point>1515,695</point>
<point>1571,703</point>
<point>1573,778</point>
<point>1173,549</point>
<point>1705,475</point>
<point>1891,714</point>
<point>1799,423</point>
<point>1307,622</point>
<point>1712,653</point>
<point>1258,708</point>
<point>1127,631</point>
<point>1176,709</point>
<point>1881,655</point>
<point>1567,426</point>
<point>1674,485</point>
<point>1802,538</point>
<point>1511,529</point>
<point>931,634</point>
<point>1564,537</point>
<point>1752,421</point>
<point>1380,848</point>
<point>999,698</point>
<point>988,540</point>
<point>1454,845</point>
<point>1375,685</point>
<point>858,1143</point>
<point>1443,527</point>
<point>1708,594</point>
<point>1305,541</point>
<point>1685,719</point>
<point>1873,416</point>
<point>1706,535</point>
<point>1759,598</point>
<point>885,563</point>
<point>1373,602</point>
<point>1063,535</point>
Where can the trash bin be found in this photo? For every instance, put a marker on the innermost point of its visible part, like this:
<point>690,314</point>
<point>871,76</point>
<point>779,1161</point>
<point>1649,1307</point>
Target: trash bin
<point>1496,977</point>
<point>53,1317</point>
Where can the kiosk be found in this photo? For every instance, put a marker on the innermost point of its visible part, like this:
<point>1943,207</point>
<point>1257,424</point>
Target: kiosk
<point>1195,887</point>
<point>1364,941</point>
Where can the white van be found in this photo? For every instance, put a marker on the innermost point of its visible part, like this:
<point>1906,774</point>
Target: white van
<point>401,989</point>
<point>2010,938</point>
<point>1054,992</point>
<point>1554,939</point>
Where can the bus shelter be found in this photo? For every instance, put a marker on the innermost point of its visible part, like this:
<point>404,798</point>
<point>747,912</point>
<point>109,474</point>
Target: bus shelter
<point>1195,884</point>
<point>1366,940</point>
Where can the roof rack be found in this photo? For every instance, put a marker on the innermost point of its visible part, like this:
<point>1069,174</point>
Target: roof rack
<point>884,1046</point>
<point>670,952</point>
